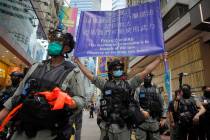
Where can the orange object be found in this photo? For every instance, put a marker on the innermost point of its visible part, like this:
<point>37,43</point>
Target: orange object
<point>10,116</point>
<point>58,99</point>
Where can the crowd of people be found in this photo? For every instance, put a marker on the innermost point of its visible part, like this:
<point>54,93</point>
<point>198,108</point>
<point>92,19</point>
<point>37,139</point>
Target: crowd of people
<point>125,104</point>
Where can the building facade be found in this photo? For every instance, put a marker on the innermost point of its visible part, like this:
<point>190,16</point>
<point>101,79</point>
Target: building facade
<point>85,5</point>
<point>23,23</point>
<point>118,4</point>
<point>187,43</point>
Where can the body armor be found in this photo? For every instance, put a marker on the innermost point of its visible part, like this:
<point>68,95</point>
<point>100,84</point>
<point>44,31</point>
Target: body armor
<point>115,102</point>
<point>149,100</point>
<point>36,113</point>
<point>186,111</point>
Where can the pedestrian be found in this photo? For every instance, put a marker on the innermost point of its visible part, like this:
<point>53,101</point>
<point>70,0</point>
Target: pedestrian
<point>115,113</point>
<point>36,120</point>
<point>150,100</point>
<point>91,110</point>
<point>6,93</point>
<point>204,125</point>
<point>188,111</point>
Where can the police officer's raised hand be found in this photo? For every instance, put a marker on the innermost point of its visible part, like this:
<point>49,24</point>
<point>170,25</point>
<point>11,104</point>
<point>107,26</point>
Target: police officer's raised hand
<point>85,71</point>
<point>76,60</point>
<point>164,56</point>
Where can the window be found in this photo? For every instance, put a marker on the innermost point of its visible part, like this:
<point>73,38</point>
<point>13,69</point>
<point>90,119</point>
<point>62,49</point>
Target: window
<point>174,15</point>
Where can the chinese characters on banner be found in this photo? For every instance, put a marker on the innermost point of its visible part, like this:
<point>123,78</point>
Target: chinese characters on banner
<point>132,31</point>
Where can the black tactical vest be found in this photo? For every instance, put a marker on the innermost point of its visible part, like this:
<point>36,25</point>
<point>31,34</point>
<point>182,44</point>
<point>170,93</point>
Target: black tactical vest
<point>115,101</point>
<point>187,109</point>
<point>36,113</point>
<point>6,95</point>
<point>47,78</point>
<point>149,100</point>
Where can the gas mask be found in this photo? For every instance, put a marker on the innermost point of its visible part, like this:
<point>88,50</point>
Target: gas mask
<point>15,81</point>
<point>186,92</point>
<point>147,80</point>
<point>207,94</point>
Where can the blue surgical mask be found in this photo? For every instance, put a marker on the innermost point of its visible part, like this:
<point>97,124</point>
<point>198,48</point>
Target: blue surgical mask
<point>117,73</point>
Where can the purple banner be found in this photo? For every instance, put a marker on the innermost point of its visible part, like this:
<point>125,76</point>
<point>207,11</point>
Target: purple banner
<point>132,31</point>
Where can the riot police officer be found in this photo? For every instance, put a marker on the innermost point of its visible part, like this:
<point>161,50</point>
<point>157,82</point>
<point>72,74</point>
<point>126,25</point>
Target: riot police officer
<point>150,100</point>
<point>116,108</point>
<point>36,120</point>
<point>189,111</point>
<point>6,93</point>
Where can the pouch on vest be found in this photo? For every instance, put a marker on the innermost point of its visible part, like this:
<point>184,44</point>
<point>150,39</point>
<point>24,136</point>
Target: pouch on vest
<point>36,114</point>
<point>187,110</point>
<point>136,116</point>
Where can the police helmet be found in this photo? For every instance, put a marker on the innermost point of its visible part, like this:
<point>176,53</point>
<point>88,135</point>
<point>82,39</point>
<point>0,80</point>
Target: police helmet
<point>65,38</point>
<point>17,74</point>
<point>186,90</point>
<point>149,75</point>
<point>113,64</point>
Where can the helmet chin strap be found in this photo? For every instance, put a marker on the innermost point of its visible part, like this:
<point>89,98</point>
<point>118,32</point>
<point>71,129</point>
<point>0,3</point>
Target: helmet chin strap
<point>66,55</point>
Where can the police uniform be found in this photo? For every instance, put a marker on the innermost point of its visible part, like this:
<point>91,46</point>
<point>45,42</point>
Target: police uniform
<point>186,110</point>
<point>78,125</point>
<point>113,131</point>
<point>70,81</point>
<point>8,92</point>
<point>204,123</point>
<point>150,128</point>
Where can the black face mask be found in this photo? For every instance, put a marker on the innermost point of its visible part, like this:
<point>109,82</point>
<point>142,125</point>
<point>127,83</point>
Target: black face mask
<point>186,93</point>
<point>207,94</point>
<point>15,82</point>
<point>147,81</point>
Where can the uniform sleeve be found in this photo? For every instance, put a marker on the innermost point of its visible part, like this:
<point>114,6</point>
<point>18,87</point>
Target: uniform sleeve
<point>19,90</point>
<point>198,103</point>
<point>99,82</point>
<point>136,94</point>
<point>135,82</point>
<point>77,88</point>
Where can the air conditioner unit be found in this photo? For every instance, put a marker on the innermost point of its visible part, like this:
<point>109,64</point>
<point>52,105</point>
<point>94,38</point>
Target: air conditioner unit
<point>200,16</point>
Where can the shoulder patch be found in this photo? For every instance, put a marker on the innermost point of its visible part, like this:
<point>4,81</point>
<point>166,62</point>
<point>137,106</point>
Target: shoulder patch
<point>76,70</point>
<point>68,64</point>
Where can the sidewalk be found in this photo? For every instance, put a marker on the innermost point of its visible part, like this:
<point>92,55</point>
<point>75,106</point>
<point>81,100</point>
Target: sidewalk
<point>90,129</point>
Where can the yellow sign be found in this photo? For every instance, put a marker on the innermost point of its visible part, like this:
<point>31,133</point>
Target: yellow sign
<point>2,73</point>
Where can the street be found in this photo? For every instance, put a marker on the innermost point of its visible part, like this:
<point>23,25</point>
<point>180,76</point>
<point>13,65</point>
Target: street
<point>91,131</point>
